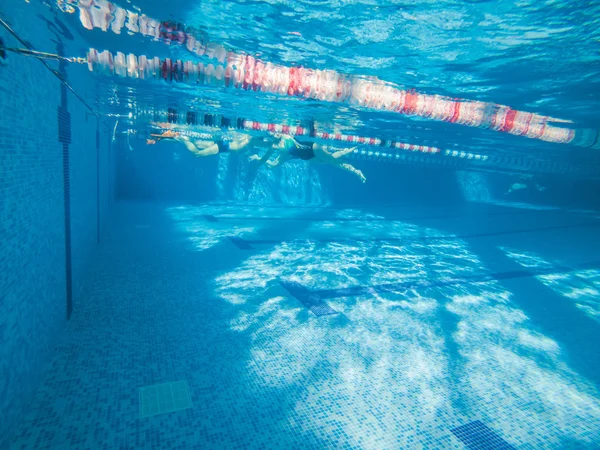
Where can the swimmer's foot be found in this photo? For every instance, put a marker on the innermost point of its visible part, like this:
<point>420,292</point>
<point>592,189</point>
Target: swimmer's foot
<point>169,134</point>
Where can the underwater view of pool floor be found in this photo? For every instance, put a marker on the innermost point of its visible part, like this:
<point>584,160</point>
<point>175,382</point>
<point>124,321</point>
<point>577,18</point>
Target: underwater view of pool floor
<point>226,326</point>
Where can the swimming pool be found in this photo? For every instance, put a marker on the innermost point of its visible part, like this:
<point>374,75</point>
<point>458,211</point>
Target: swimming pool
<point>154,299</point>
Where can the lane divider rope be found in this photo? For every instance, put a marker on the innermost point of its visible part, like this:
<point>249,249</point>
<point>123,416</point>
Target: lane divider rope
<point>385,151</point>
<point>246,72</point>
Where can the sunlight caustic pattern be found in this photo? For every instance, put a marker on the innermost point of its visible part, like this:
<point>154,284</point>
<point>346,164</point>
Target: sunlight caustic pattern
<point>201,234</point>
<point>402,368</point>
<point>581,286</point>
<point>293,184</point>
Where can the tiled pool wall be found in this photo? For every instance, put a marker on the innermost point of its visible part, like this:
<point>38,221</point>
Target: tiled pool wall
<point>37,203</point>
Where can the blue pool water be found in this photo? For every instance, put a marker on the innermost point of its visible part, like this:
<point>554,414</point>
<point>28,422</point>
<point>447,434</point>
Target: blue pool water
<point>152,299</point>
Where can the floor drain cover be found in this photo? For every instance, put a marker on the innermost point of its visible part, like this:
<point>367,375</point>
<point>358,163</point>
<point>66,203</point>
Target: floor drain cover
<point>164,398</point>
<point>478,436</point>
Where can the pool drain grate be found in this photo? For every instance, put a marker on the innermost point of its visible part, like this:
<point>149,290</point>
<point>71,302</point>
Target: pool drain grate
<point>164,398</point>
<point>478,436</point>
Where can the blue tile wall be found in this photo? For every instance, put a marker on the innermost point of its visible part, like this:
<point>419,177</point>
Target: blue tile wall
<point>33,284</point>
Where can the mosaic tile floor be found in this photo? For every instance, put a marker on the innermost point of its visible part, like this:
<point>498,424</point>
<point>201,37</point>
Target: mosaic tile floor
<point>403,328</point>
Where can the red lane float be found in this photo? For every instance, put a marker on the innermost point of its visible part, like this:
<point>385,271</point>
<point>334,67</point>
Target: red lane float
<point>248,73</point>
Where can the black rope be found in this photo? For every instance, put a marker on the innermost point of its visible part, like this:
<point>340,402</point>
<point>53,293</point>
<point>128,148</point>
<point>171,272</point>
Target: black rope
<point>62,80</point>
<point>43,55</point>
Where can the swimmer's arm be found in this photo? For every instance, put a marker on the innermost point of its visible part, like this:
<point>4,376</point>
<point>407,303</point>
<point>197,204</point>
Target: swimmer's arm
<point>239,144</point>
<point>296,143</point>
<point>273,163</point>
<point>265,158</point>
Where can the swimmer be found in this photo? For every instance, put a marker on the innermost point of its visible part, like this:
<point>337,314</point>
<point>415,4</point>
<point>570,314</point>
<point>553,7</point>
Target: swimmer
<point>203,148</point>
<point>525,182</point>
<point>517,187</point>
<point>290,149</point>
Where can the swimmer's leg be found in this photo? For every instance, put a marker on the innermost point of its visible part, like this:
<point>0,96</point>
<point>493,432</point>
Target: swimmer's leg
<point>342,152</point>
<point>207,151</point>
<point>265,158</point>
<point>323,154</point>
<point>169,134</point>
<point>354,170</point>
<point>239,144</point>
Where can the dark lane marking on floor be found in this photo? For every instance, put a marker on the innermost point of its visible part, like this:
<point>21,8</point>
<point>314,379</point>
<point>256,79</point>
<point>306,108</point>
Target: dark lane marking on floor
<point>407,205</point>
<point>478,436</point>
<point>210,218</point>
<point>247,243</point>
<point>308,299</point>
<point>240,243</point>
<point>314,207</point>
<point>378,219</point>
<point>354,291</point>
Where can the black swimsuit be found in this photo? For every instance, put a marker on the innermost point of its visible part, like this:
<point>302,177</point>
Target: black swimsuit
<point>222,145</point>
<point>304,152</point>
